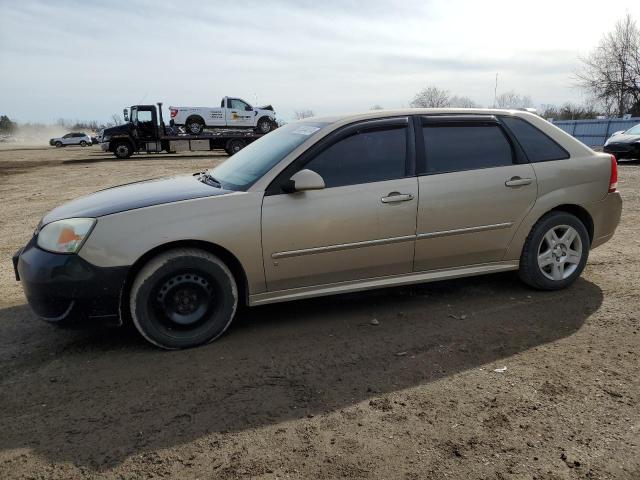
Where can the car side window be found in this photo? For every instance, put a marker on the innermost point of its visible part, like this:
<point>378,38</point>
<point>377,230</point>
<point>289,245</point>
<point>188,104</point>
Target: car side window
<point>363,157</point>
<point>453,148</point>
<point>536,145</point>
<point>68,135</point>
<point>239,104</point>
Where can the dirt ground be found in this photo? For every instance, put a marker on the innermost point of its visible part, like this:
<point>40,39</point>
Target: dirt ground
<point>312,389</point>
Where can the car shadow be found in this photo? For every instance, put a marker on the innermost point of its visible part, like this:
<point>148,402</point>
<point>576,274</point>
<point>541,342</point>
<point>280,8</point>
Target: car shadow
<point>96,396</point>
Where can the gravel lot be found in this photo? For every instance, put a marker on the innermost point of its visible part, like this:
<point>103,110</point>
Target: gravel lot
<point>313,389</point>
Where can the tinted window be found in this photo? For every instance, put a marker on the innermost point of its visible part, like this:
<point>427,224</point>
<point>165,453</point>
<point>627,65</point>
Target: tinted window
<point>369,156</point>
<point>450,148</point>
<point>536,145</point>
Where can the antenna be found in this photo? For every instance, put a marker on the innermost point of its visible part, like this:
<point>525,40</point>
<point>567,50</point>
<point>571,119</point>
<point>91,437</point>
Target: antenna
<point>143,97</point>
<point>495,91</point>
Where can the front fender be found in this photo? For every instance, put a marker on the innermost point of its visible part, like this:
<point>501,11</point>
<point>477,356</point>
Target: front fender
<point>231,221</point>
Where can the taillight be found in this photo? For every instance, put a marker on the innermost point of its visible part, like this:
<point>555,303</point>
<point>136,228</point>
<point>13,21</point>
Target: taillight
<point>173,112</point>
<point>613,180</point>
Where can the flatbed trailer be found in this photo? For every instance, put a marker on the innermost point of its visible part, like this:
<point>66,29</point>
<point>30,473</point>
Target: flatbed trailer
<point>145,132</point>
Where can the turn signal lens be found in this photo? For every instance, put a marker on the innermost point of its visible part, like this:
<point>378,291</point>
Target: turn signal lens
<point>613,180</point>
<point>65,236</point>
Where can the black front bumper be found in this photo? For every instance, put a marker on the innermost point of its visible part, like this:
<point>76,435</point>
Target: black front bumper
<point>623,150</point>
<point>63,287</point>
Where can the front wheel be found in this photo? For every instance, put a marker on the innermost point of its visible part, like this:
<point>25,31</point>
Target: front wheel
<point>265,125</point>
<point>122,150</point>
<point>58,144</point>
<point>555,253</point>
<point>83,143</point>
<point>183,298</point>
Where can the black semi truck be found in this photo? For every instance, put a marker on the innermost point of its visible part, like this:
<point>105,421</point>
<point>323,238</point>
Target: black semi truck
<point>146,132</point>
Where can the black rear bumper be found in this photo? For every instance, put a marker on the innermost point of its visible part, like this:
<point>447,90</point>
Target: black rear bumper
<point>62,287</point>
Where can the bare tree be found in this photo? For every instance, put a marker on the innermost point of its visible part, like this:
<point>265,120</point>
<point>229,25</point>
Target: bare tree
<point>611,72</point>
<point>431,97</point>
<point>306,113</point>
<point>570,111</point>
<point>512,99</point>
<point>376,107</point>
<point>462,102</point>
<point>116,119</point>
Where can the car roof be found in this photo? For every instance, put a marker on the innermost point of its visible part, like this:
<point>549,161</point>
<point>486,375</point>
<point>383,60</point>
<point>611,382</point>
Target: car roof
<point>348,118</point>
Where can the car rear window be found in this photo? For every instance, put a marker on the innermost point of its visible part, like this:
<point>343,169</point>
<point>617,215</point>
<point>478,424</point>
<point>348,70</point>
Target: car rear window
<point>452,148</point>
<point>536,145</point>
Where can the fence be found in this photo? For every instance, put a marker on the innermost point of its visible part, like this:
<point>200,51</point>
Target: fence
<point>595,132</point>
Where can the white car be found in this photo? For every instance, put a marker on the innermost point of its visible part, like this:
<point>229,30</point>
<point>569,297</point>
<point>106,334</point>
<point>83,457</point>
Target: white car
<point>232,113</point>
<point>79,138</point>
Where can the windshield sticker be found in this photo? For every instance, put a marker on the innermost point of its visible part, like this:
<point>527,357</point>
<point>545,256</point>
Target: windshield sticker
<point>306,130</point>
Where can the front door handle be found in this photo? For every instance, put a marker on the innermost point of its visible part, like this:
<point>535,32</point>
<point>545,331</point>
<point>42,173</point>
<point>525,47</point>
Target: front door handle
<point>395,197</point>
<point>517,182</point>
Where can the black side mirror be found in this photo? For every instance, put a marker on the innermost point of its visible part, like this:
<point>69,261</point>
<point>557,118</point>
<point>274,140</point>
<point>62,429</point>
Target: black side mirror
<point>248,109</point>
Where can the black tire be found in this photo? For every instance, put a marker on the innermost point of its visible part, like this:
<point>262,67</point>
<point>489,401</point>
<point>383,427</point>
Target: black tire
<point>264,125</point>
<point>234,146</point>
<point>58,144</point>
<point>532,273</point>
<point>194,125</point>
<point>183,298</point>
<point>122,150</point>
<point>83,143</point>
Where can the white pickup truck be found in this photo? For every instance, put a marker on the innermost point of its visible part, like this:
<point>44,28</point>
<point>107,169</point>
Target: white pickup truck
<point>233,113</point>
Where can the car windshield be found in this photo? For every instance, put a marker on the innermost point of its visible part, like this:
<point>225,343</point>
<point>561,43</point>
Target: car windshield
<point>633,130</point>
<point>248,165</point>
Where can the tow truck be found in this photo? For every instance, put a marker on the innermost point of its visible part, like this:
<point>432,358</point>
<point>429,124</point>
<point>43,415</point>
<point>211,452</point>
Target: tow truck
<point>144,131</point>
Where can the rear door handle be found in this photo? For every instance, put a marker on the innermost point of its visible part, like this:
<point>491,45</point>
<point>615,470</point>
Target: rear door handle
<point>395,197</point>
<point>517,182</point>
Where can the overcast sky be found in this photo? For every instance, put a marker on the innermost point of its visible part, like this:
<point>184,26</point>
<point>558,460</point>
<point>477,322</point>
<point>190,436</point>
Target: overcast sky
<point>86,60</point>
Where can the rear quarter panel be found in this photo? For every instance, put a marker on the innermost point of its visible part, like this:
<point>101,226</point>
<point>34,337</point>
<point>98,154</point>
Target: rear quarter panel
<point>582,179</point>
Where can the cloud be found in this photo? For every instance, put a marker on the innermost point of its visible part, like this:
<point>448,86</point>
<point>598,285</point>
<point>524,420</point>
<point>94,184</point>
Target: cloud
<point>88,59</point>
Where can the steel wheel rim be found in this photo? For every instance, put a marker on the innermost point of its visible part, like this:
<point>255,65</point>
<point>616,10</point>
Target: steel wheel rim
<point>185,300</point>
<point>194,128</point>
<point>122,149</point>
<point>559,252</point>
<point>264,126</point>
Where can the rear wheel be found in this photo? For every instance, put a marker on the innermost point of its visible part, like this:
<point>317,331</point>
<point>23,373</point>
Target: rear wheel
<point>183,298</point>
<point>555,252</point>
<point>122,150</point>
<point>234,146</point>
<point>194,125</point>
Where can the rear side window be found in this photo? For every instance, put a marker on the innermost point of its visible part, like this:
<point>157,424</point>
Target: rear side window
<point>536,145</point>
<point>364,157</point>
<point>452,148</point>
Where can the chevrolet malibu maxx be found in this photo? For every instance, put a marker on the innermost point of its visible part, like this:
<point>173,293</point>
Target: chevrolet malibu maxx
<point>326,206</point>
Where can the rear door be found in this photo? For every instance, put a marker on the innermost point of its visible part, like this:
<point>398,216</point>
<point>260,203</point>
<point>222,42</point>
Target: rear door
<point>475,189</point>
<point>361,225</point>
<point>239,113</point>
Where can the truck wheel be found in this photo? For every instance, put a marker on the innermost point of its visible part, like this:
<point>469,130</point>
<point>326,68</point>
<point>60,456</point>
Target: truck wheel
<point>194,125</point>
<point>183,298</point>
<point>265,125</point>
<point>58,144</point>
<point>122,150</point>
<point>234,146</point>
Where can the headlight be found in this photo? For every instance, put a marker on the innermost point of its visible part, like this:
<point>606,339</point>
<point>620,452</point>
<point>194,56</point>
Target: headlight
<point>65,236</point>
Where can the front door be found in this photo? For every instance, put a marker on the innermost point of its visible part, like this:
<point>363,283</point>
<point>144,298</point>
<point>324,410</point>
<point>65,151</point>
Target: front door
<point>474,193</point>
<point>239,113</point>
<point>361,225</point>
